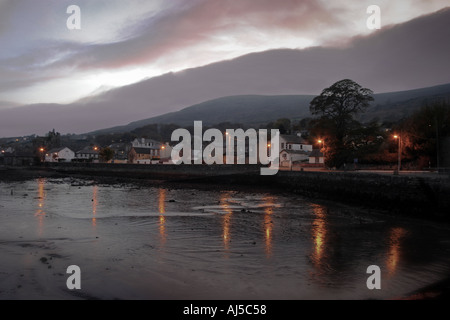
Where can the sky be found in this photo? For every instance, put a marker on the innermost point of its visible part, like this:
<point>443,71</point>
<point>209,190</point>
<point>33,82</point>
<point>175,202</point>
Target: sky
<point>123,42</point>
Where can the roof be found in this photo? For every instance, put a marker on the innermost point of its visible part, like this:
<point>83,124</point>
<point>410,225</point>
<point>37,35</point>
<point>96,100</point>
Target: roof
<point>142,150</point>
<point>295,151</point>
<point>145,140</point>
<point>118,146</point>
<point>316,153</point>
<point>88,150</point>
<point>56,150</point>
<point>291,138</point>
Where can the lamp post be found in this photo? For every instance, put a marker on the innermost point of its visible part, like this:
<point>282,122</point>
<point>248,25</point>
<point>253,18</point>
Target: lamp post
<point>399,151</point>
<point>41,150</point>
<point>322,142</point>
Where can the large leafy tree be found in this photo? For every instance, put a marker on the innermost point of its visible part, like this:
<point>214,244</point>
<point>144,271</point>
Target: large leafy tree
<point>422,133</point>
<point>106,154</point>
<point>337,107</point>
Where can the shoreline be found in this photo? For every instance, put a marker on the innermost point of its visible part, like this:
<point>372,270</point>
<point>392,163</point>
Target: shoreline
<point>395,195</point>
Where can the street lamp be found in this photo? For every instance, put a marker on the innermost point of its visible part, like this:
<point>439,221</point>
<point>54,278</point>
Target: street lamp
<point>322,142</point>
<point>399,151</point>
<point>42,150</point>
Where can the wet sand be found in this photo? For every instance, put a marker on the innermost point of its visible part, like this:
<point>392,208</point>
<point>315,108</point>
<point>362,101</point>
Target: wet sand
<point>155,241</point>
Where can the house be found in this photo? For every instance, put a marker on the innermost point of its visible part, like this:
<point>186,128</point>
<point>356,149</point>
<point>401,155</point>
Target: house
<point>147,151</point>
<point>142,155</point>
<point>120,152</point>
<point>294,142</point>
<point>316,158</point>
<point>146,143</point>
<point>289,157</point>
<point>88,154</point>
<point>62,154</point>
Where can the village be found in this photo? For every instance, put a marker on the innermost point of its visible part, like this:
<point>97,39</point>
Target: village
<point>296,153</point>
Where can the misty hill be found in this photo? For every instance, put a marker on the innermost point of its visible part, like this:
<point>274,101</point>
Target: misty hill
<point>414,54</point>
<point>257,109</point>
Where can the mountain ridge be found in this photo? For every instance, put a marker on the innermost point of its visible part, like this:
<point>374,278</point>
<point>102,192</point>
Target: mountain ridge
<point>388,106</point>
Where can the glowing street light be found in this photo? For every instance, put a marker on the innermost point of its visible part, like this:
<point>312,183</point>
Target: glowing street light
<point>320,141</point>
<point>399,151</point>
<point>42,150</point>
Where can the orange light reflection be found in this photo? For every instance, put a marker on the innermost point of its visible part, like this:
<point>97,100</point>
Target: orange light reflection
<point>162,219</point>
<point>94,205</point>
<point>268,224</point>
<point>319,234</point>
<point>40,213</point>
<point>226,219</point>
<point>393,258</point>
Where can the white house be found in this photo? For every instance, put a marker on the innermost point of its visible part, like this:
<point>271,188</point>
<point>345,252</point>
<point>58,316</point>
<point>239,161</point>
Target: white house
<point>288,157</point>
<point>316,157</point>
<point>149,151</point>
<point>88,154</point>
<point>295,143</point>
<point>59,155</point>
<point>146,143</point>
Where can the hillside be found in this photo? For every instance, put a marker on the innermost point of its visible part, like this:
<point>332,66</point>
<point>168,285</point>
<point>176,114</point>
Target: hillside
<point>257,109</point>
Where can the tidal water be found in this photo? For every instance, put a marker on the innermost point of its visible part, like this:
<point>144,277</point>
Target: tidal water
<point>144,242</point>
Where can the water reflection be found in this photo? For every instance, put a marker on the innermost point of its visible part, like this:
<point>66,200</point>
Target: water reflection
<point>226,222</point>
<point>319,234</point>
<point>40,213</point>
<point>94,205</point>
<point>269,202</point>
<point>395,237</point>
<point>162,210</point>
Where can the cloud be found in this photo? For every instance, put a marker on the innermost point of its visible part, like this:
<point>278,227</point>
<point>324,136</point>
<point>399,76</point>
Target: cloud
<point>149,38</point>
<point>402,57</point>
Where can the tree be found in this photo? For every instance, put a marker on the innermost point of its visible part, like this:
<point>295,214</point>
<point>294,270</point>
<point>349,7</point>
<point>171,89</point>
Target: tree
<point>336,107</point>
<point>422,131</point>
<point>340,102</point>
<point>284,125</point>
<point>106,154</point>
